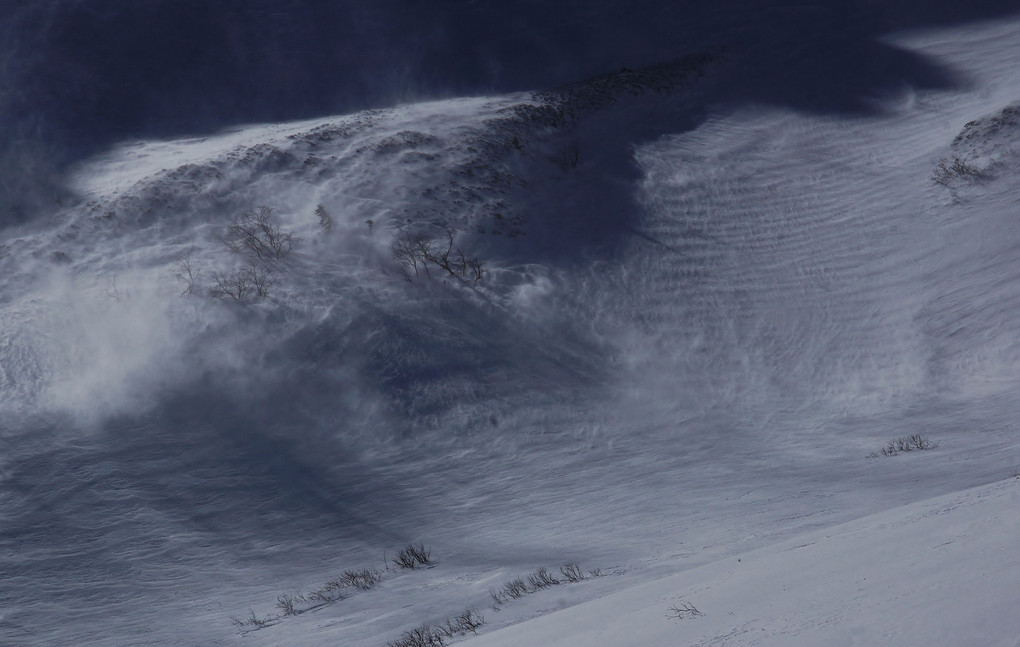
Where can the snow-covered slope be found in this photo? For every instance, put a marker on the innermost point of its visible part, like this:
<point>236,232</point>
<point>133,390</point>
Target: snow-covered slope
<point>700,321</point>
<point>930,573</point>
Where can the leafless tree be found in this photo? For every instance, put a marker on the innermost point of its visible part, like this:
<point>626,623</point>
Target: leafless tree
<point>252,280</point>
<point>256,235</point>
<point>416,253</point>
<point>407,251</point>
<point>185,274</point>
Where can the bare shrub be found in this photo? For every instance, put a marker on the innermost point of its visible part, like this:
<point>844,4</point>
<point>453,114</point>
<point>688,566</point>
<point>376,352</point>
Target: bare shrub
<point>469,621</point>
<point>538,580</point>
<point>363,579</point>
<point>511,590</point>
<point>253,622</point>
<point>516,588</point>
<point>946,169</point>
<point>465,623</point>
<point>914,442</point>
<point>572,572</point>
<point>423,636</point>
<point>497,599</point>
<point>256,235</point>
<point>542,579</point>
<point>436,636</point>
<point>288,604</point>
<point>413,555</point>
<point>684,611</point>
<point>331,591</point>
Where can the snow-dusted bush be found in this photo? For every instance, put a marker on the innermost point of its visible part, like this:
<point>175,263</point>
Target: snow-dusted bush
<point>946,169</point>
<point>413,555</point>
<point>513,589</point>
<point>253,622</point>
<point>288,604</point>
<point>572,572</point>
<point>914,442</point>
<point>436,636</point>
<point>542,579</point>
<point>536,581</point>
<point>362,579</point>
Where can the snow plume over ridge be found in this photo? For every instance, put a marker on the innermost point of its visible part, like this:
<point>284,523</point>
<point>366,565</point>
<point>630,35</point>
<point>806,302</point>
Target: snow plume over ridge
<point>116,292</point>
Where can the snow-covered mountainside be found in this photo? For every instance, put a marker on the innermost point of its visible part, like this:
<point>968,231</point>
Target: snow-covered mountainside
<point>744,369</point>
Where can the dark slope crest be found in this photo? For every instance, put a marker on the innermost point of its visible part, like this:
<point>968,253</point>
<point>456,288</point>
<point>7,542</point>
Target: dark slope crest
<point>79,75</point>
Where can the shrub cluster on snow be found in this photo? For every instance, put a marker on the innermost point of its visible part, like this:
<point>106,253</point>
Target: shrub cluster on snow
<point>437,635</point>
<point>540,579</point>
<point>914,442</point>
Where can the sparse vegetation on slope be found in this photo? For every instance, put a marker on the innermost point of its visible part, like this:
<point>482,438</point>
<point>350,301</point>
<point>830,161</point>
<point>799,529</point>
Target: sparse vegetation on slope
<point>335,589</point>
<point>912,443</point>
<point>417,253</point>
<point>260,241</point>
<point>946,170</point>
<point>437,635</point>
<point>538,580</point>
<point>683,611</point>
<point>413,555</point>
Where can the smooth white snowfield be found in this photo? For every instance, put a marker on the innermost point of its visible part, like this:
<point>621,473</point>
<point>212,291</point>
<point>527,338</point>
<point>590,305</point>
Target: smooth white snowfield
<point>701,323</point>
<point>936,572</point>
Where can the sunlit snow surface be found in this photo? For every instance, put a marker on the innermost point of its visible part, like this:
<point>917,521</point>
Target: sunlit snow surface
<point>684,350</point>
